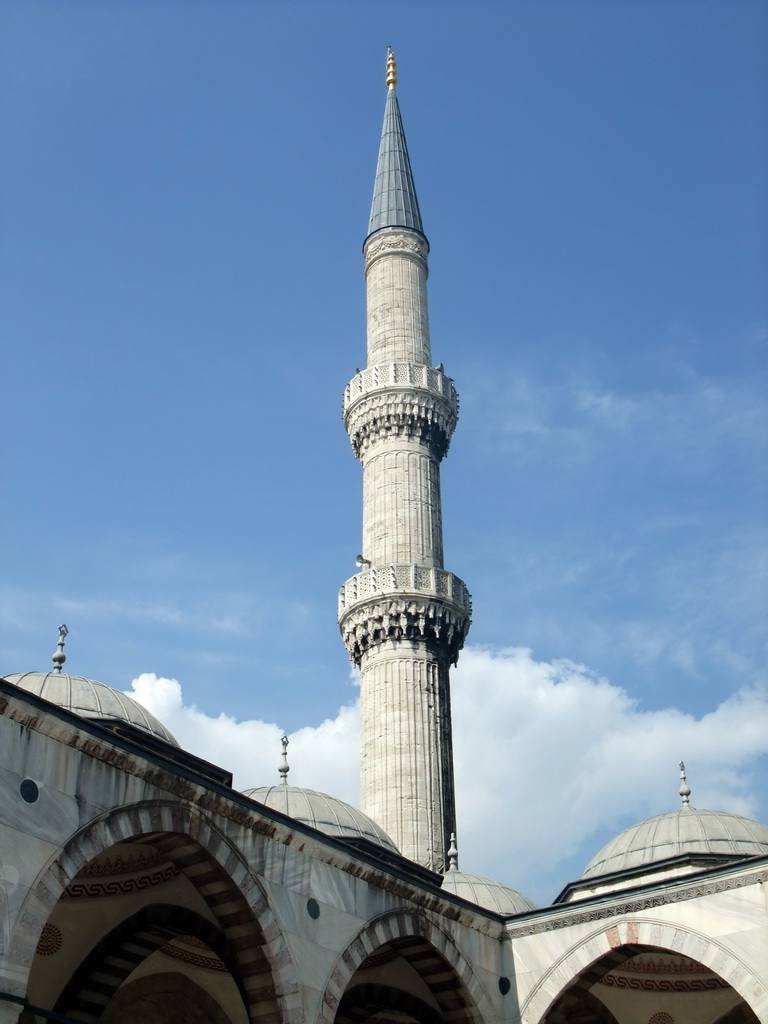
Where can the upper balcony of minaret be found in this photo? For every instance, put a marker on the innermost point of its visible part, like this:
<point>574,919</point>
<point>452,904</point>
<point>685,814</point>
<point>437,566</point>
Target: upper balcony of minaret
<point>401,400</point>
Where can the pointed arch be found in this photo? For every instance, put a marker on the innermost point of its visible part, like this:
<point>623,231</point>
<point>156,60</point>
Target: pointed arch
<point>218,871</point>
<point>595,955</point>
<point>434,955</point>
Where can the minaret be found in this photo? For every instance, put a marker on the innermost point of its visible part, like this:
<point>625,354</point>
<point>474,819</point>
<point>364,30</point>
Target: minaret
<point>403,617</point>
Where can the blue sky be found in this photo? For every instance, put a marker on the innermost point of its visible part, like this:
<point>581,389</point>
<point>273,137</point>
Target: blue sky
<point>186,190</point>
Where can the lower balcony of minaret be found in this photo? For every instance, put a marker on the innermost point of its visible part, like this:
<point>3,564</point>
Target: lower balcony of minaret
<point>417,603</point>
<point>410,400</point>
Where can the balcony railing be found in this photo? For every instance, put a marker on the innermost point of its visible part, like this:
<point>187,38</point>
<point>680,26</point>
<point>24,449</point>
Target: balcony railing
<point>400,579</point>
<point>400,375</point>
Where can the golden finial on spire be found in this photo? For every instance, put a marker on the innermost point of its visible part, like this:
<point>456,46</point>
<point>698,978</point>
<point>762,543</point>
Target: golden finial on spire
<point>391,69</point>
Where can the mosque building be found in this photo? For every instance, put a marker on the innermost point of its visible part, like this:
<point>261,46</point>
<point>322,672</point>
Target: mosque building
<point>137,885</point>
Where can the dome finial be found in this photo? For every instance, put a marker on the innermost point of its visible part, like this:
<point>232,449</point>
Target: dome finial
<point>60,657</point>
<point>453,854</point>
<point>284,766</point>
<point>685,789</point>
<point>391,69</point>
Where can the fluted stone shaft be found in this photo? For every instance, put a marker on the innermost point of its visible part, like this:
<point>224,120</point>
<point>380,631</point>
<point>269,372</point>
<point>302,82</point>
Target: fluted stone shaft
<point>407,761</point>
<point>396,280</point>
<point>403,617</point>
<point>401,498</point>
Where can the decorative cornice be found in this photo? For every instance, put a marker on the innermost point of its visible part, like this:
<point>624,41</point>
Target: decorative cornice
<point>403,400</point>
<point>638,984</point>
<point>409,415</point>
<point>668,966</point>
<point>404,602</point>
<point>187,956</point>
<point>659,898</point>
<point>662,974</point>
<point>381,581</point>
<point>395,242</point>
<point>119,865</point>
<point>119,886</point>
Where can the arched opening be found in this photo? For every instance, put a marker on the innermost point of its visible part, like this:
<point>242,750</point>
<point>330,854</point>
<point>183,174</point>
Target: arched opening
<point>402,969</point>
<point>648,985</point>
<point>144,911</point>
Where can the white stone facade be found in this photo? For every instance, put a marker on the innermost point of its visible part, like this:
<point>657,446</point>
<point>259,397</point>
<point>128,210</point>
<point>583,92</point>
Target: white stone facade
<point>136,888</point>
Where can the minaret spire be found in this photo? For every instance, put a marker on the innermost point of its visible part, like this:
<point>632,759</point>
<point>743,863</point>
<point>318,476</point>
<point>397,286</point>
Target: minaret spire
<point>403,617</point>
<point>394,195</point>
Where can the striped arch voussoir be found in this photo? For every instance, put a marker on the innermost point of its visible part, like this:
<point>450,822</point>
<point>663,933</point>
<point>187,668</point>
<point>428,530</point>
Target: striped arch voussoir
<point>602,951</point>
<point>207,858</point>
<point>431,952</point>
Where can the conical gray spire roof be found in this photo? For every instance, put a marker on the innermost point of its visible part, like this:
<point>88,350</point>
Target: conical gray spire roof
<point>394,195</point>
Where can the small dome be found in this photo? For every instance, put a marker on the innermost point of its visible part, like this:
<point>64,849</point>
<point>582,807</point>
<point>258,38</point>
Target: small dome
<point>680,832</point>
<point>486,893</point>
<point>90,699</point>
<point>325,813</point>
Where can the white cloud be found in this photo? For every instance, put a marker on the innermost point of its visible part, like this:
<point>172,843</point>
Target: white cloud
<point>321,757</point>
<point>548,756</point>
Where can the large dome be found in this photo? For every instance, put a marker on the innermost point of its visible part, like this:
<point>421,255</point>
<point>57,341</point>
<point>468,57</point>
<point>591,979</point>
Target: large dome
<point>325,813</point>
<point>90,699</point>
<point>486,893</point>
<point>685,831</point>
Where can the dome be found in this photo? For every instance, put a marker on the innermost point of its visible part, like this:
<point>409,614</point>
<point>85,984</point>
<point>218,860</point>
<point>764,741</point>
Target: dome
<point>685,831</point>
<point>486,893</point>
<point>325,813</point>
<point>90,699</point>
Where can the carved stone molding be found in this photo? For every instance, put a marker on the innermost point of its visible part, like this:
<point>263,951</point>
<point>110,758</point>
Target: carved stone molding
<point>399,375</point>
<point>672,965</point>
<point>105,867</point>
<point>206,959</point>
<point>403,400</point>
<point>404,602</point>
<point>703,984</point>
<point>412,415</point>
<point>659,898</point>
<point>395,242</point>
<point>399,580</point>
<point>119,886</point>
